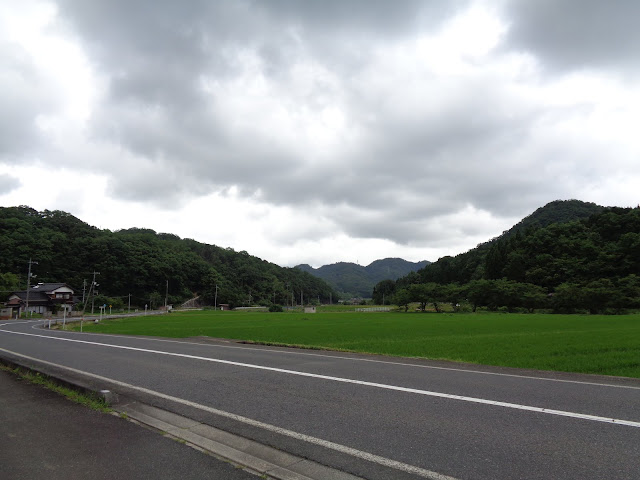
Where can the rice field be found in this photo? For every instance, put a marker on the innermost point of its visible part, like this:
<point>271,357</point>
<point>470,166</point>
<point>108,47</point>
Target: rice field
<point>599,344</point>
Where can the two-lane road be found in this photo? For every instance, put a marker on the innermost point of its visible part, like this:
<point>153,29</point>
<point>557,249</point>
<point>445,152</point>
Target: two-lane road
<point>374,417</point>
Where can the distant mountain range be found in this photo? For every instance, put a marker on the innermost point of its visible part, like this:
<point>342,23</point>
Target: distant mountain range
<point>354,280</point>
<point>351,279</point>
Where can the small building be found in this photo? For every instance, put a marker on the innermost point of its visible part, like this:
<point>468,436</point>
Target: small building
<point>44,298</point>
<point>310,309</point>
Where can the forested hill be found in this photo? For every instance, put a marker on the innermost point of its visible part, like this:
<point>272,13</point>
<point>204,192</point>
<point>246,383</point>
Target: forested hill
<point>471,265</point>
<point>353,280</point>
<point>591,263</point>
<point>140,261</point>
<point>558,211</point>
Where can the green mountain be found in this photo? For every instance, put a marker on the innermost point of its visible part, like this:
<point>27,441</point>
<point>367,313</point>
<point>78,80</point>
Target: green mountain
<point>140,261</point>
<point>558,211</point>
<point>559,257</point>
<point>353,280</point>
<point>471,265</point>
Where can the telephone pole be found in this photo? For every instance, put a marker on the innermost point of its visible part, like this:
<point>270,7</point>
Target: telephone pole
<point>92,288</point>
<point>31,262</point>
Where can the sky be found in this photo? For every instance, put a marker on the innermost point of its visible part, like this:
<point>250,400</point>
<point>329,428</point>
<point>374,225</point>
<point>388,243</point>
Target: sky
<point>319,131</point>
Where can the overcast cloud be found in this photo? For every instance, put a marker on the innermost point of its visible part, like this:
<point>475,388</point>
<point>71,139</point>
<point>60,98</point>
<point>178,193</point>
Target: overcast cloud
<point>317,132</point>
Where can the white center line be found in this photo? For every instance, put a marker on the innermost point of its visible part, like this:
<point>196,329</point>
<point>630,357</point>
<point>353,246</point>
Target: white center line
<point>449,396</point>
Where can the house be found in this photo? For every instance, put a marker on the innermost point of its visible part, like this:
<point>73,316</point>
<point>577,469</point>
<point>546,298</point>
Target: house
<point>44,298</point>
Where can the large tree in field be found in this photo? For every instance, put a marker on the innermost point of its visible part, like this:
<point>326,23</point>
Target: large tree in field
<point>402,298</point>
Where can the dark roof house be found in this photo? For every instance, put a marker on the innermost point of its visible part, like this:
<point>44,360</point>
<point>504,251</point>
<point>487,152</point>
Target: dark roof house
<point>43,298</point>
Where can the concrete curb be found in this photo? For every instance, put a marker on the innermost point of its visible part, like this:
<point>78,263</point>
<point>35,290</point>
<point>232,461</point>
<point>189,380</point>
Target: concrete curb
<point>248,454</point>
<point>238,450</point>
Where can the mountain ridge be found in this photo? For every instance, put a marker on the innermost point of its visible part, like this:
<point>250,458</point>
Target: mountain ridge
<point>147,265</point>
<point>356,280</point>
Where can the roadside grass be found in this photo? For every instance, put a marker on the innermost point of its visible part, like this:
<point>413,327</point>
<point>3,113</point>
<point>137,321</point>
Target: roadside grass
<point>598,344</point>
<point>88,400</point>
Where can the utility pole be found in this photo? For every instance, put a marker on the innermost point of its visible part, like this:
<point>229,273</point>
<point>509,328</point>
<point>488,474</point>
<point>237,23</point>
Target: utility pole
<point>84,288</point>
<point>29,286</point>
<point>91,291</point>
<point>93,288</point>
<point>166,297</point>
<point>129,303</point>
<point>301,302</point>
<point>215,299</point>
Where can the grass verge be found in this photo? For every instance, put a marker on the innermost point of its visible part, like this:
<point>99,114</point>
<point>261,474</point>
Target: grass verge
<point>88,400</point>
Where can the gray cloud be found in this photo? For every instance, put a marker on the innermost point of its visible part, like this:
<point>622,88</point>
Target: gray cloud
<point>576,34</point>
<point>8,183</point>
<point>305,104</point>
<point>24,96</point>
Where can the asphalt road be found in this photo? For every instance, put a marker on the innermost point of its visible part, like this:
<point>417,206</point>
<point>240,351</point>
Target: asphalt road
<point>374,417</point>
<point>44,436</point>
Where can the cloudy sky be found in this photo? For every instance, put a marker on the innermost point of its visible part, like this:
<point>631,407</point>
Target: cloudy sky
<point>319,131</point>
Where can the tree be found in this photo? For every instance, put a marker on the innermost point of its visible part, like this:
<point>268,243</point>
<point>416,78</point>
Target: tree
<point>567,298</point>
<point>435,294</point>
<point>418,292</point>
<point>600,295</point>
<point>9,282</point>
<point>383,291</point>
<point>629,290</point>
<point>453,294</point>
<point>402,298</point>
<point>480,293</point>
<point>155,300</point>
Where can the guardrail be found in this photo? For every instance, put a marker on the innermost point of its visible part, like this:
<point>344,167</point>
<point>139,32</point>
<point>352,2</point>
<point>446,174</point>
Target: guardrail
<point>374,309</point>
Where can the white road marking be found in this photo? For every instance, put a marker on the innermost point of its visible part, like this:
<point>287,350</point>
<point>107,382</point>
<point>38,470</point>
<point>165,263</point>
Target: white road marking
<point>387,462</point>
<point>449,396</point>
<point>355,359</point>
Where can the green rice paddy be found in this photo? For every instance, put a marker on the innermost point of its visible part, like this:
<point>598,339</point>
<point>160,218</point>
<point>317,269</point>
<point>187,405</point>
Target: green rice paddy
<point>599,344</point>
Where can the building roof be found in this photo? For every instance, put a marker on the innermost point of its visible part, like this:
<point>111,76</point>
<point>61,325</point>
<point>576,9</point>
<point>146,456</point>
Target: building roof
<point>37,294</point>
<point>34,297</point>
<point>48,287</point>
